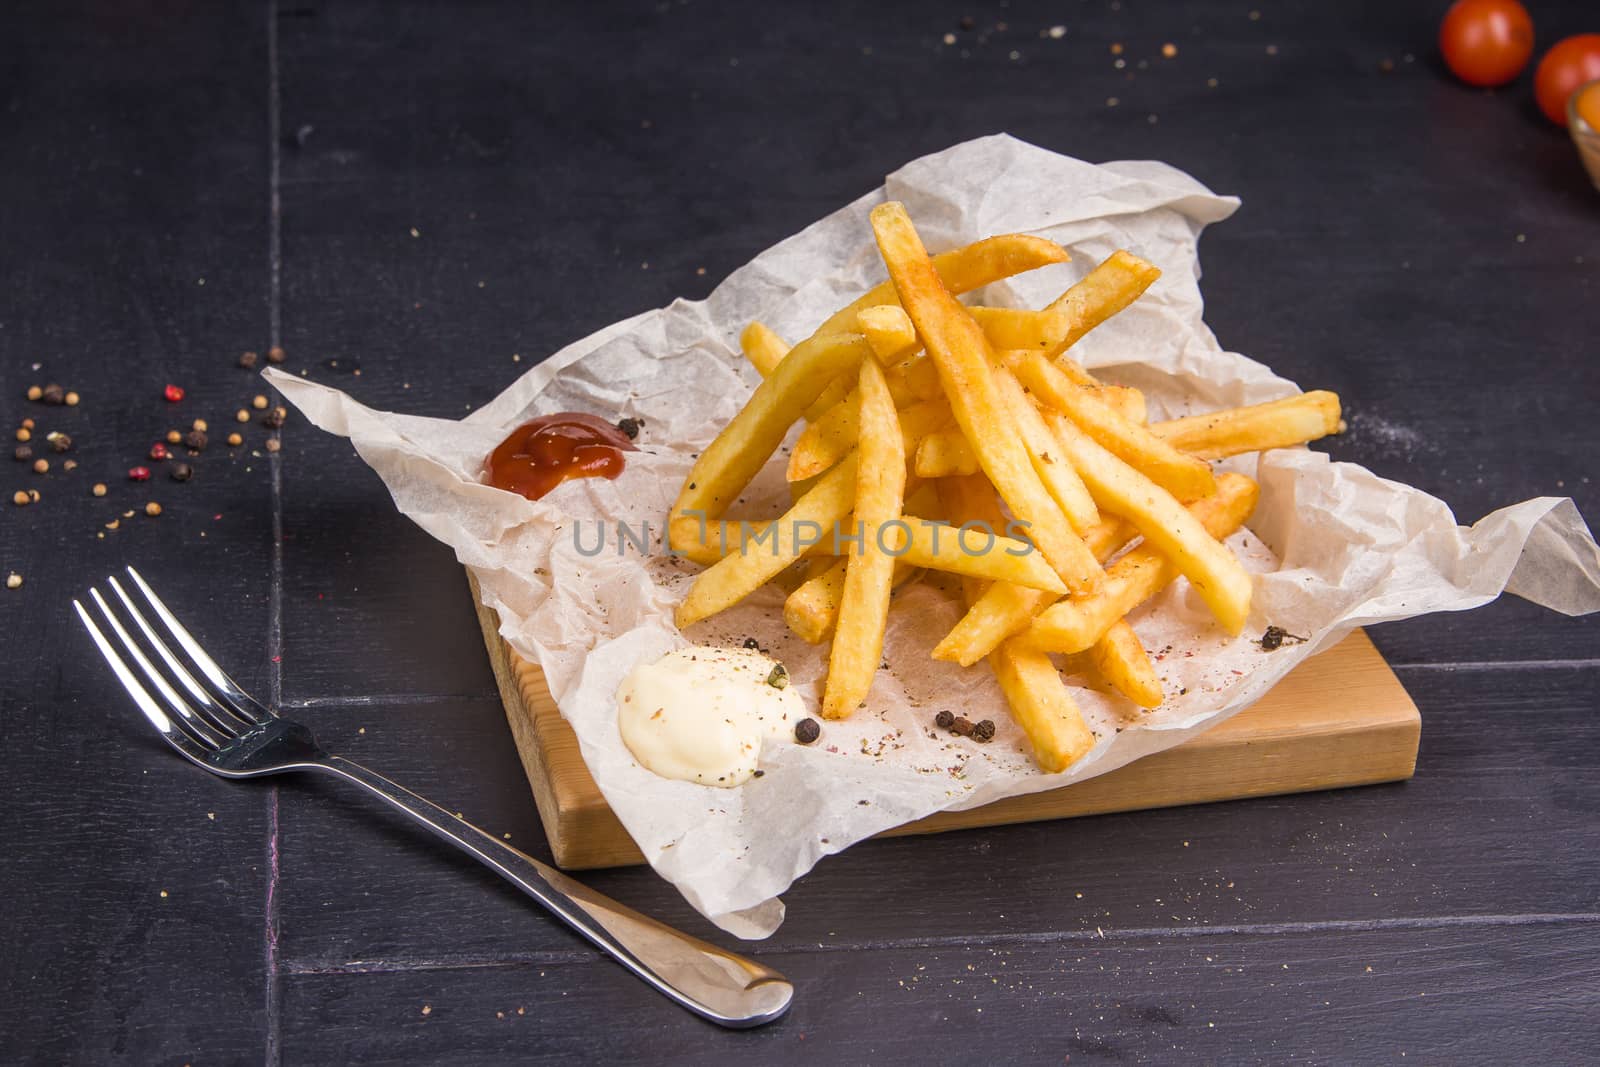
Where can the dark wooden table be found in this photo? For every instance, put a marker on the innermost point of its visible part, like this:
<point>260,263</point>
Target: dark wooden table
<point>418,201</point>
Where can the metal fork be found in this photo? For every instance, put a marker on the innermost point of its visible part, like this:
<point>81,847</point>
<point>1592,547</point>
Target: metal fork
<point>216,725</point>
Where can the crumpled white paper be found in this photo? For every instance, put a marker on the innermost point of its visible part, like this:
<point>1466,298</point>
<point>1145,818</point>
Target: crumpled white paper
<point>1333,546</point>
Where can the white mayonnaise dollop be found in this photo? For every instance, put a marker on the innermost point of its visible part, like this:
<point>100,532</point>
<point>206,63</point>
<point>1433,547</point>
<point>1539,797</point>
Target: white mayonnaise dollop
<point>701,714</point>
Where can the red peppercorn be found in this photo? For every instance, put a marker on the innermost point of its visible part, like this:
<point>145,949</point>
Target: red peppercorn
<point>173,394</point>
<point>158,451</point>
<point>138,474</point>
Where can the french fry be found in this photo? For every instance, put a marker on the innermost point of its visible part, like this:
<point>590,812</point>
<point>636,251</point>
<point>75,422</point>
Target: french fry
<point>1058,477</point>
<point>915,379</point>
<point>1125,401</point>
<point>1019,328</point>
<point>825,441</point>
<point>1074,625</point>
<point>1122,661</point>
<point>944,453</point>
<point>738,574</point>
<point>869,571</point>
<point>810,368</point>
<point>812,609</point>
<point>975,552</point>
<point>1100,294</point>
<point>888,330</point>
<point>1005,610</point>
<point>1032,686</point>
<point>1276,424</point>
<point>763,348</point>
<point>958,346</point>
<point>1182,475</point>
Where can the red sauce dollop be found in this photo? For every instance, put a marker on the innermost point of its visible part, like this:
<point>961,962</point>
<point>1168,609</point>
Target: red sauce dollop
<point>540,455</point>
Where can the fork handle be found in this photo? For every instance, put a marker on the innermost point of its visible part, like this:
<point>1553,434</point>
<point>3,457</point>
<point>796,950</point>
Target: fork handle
<point>725,988</point>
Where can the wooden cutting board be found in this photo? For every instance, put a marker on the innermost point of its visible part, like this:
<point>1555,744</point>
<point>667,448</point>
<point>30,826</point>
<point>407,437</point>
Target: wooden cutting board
<point>1339,719</point>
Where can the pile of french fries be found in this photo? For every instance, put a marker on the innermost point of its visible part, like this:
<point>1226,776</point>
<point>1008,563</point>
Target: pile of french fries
<point>967,440</point>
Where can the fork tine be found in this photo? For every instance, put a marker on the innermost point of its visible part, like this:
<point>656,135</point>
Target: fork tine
<point>221,715</point>
<point>237,699</point>
<point>175,704</point>
<point>176,737</point>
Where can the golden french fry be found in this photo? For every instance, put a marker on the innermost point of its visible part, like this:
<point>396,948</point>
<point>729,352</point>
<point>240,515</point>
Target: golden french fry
<point>889,331</point>
<point>979,551</point>
<point>825,441</point>
<point>869,570</point>
<point>1032,686</point>
<point>1182,475</point>
<point>1019,328</point>
<point>964,358</point>
<point>812,609</point>
<point>944,453</point>
<point>1122,661</point>
<point>1058,477</point>
<point>763,348</point>
<point>1074,625</point>
<point>915,379</point>
<point>1100,294</point>
<point>1124,400</point>
<point>738,574</point>
<point>811,367</point>
<point>1005,610</point>
<point>1276,424</point>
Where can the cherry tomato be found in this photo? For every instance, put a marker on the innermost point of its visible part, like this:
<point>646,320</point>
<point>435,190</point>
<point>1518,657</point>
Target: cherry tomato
<point>1486,42</point>
<point>1565,67</point>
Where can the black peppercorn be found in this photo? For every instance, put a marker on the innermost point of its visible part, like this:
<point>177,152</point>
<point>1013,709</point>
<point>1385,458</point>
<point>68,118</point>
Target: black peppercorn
<point>630,427</point>
<point>248,360</point>
<point>195,441</point>
<point>944,720</point>
<point>54,394</point>
<point>182,472</point>
<point>752,643</point>
<point>807,731</point>
<point>275,418</point>
<point>23,453</point>
<point>983,731</point>
<point>59,442</point>
<point>962,725</point>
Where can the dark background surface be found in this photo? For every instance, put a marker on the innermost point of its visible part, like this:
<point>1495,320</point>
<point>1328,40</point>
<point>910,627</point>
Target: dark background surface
<point>421,194</point>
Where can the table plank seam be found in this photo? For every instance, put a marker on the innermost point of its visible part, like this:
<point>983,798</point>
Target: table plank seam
<point>394,699</point>
<point>272,1041</point>
<point>326,967</point>
<point>1500,665</point>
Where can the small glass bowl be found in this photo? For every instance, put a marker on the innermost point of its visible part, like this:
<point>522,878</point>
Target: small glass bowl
<point>1585,136</point>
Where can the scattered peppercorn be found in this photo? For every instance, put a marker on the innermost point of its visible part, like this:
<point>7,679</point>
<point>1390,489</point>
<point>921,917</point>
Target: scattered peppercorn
<point>241,415</point>
<point>173,393</point>
<point>152,509</point>
<point>807,731</point>
<point>778,678</point>
<point>54,394</point>
<point>158,452</point>
<point>14,581</point>
<point>138,474</point>
<point>275,354</point>
<point>34,392</point>
<point>983,731</point>
<point>20,499</point>
<point>33,496</point>
<point>59,442</point>
<point>752,643</point>
<point>258,402</point>
<point>40,466</point>
<point>70,465</point>
<point>758,774</point>
<point>1274,637</point>
<point>196,441</point>
<point>962,725</point>
<point>944,720</point>
<point>1169,50</point>
<point>182,472</point>
<point>967,22</point>
<point>248,360</point>
<point>631,427</point>
<point>199,426</point>
<point>71,399</point>
<point>174,437</point>
<point>275,418</point>
<point>273,444</point>
<point>27,424</point>
<point>234,440</point>
<point>24,434</point>
<point>23,453</point>
<point>99,489</point>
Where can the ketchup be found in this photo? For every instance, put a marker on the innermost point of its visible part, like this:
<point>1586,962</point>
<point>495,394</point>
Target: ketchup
<point>540,455</point>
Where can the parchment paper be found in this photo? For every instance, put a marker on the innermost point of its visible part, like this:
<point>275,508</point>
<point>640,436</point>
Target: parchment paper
<point>1333,546</point>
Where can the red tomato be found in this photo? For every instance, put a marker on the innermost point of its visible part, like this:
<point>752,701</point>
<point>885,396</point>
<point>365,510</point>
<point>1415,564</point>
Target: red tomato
<point>1565,67</point>
<point>1486,42</point>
